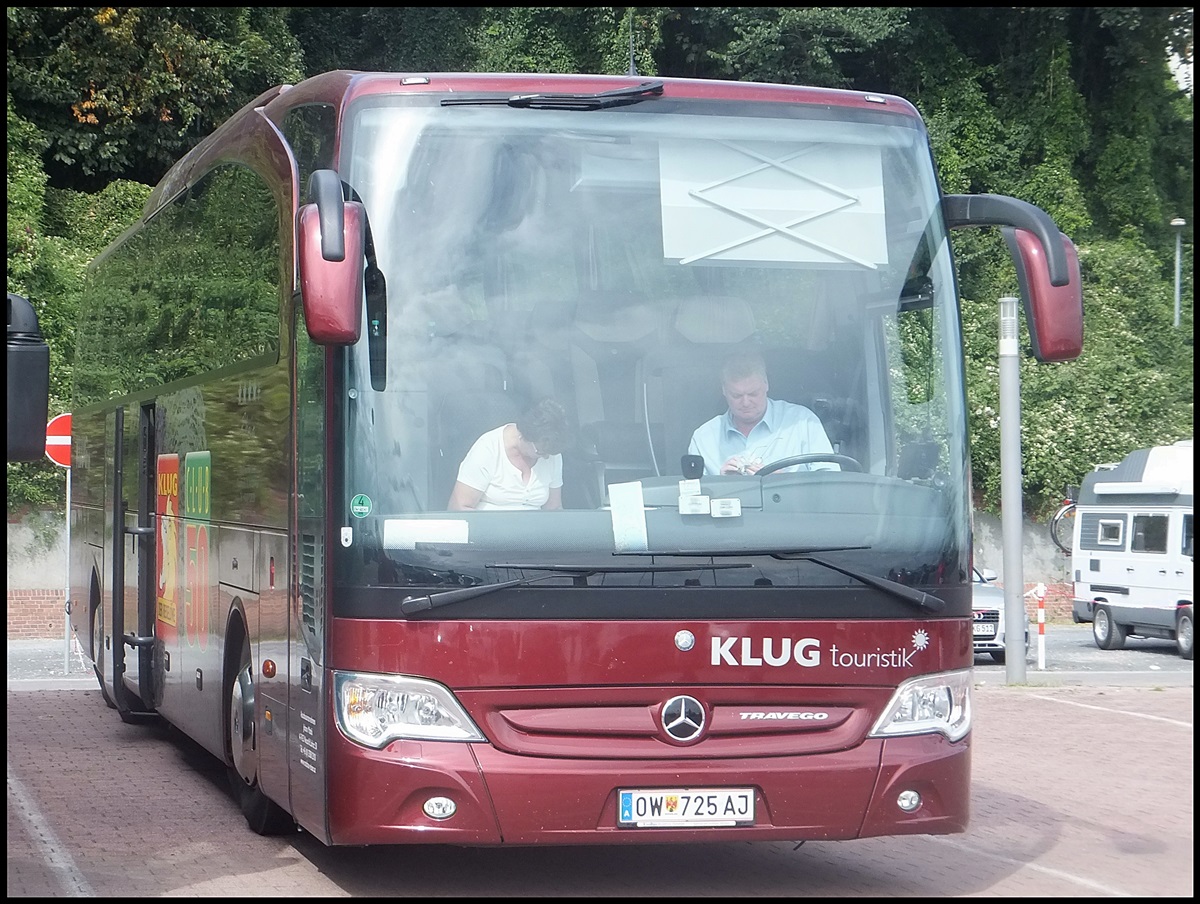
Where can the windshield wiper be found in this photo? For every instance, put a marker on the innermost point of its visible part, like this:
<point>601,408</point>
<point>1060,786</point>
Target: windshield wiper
<point>918,598</point>
<point>618,97</point>
<point>580,573</point>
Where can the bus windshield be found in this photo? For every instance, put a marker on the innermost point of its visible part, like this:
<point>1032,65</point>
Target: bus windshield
<point>664,272</point>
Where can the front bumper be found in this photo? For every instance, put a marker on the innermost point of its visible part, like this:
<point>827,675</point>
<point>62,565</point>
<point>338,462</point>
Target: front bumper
<point>376,796</point>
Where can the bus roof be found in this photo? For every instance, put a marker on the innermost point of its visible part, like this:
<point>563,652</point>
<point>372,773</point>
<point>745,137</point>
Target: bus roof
<point>343,86</point>
<point>365,83</point>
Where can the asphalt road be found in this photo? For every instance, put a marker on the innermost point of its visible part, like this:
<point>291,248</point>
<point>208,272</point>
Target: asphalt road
<point>1070,657</point>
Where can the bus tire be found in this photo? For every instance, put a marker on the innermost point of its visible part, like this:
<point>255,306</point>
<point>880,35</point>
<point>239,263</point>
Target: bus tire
<point>1183,632</point>
<point>1105,631</point>
<point>263,815</point>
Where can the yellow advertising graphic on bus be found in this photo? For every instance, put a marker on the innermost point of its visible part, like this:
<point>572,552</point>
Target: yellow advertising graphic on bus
<point>197,513</point>
<point>166,611</point>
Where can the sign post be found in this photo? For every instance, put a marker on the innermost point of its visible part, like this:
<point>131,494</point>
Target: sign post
<point>58,450</point>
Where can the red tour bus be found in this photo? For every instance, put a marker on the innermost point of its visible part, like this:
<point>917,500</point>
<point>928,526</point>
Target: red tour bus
<point>326,304</point>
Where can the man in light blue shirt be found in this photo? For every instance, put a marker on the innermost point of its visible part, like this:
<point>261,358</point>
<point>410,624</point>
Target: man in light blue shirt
<point>756,430</point>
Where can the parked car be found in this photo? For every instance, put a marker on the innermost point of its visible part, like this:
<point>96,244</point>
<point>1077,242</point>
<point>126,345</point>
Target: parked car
<point>987,602</point>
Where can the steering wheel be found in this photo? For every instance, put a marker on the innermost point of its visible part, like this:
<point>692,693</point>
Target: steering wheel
<point>847,463</point>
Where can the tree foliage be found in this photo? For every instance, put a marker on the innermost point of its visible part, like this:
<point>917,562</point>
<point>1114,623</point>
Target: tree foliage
<point>125,91</point>
<point>1071,108</point>
<point>392,39</point>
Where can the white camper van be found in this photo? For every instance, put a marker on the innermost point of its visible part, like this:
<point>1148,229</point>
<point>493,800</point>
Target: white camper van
<point>1131,555</point>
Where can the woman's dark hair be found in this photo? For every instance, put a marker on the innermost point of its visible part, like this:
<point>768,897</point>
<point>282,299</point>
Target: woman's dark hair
<point>545,425</point>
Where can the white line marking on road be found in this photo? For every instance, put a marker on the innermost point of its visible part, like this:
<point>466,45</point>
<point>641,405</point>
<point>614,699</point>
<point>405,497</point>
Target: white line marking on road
<point>1025,864</point>
<point>1109,709</point>
<point>47,843</point>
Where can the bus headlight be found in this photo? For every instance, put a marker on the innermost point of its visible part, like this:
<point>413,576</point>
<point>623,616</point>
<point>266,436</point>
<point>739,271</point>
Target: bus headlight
<point>931,703</point>
<point>374,710</point>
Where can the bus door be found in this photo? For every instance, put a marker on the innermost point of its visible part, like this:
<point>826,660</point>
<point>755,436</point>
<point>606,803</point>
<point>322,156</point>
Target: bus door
<point>133,585</point>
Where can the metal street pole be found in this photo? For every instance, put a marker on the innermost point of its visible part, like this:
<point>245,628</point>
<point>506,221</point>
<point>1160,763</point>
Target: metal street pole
<point>1011,507</point>
<point>1178,223</point>
<point>67,591</point>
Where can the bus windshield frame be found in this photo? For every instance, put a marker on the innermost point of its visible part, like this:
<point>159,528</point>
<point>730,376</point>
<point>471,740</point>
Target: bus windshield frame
<point>587,257</point>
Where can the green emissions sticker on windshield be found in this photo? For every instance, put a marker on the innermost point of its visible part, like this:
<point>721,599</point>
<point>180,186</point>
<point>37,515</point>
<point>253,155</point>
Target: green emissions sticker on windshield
<point>360,506</point>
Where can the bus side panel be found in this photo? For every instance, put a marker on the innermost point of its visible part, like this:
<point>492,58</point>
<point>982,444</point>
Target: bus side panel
<point>87,573</point>
<point>308,717</point>
<point>110,547</point>
<point>230,439</point>
<point>128,547</point>
<point>271,668</point>
<point>191,697</point>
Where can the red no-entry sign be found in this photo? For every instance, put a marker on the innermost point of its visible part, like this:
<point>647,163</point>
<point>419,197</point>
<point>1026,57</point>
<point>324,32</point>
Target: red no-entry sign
<point>58,440</point>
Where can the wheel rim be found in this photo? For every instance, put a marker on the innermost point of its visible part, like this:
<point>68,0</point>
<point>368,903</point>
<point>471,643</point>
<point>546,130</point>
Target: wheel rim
<point>1101,624</point>
<point>241,724</point>
<point>1185,633</point>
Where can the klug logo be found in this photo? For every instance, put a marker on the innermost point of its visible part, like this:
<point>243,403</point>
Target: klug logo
<point>770,651</point>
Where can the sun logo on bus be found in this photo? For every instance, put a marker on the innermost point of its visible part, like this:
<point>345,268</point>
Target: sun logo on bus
<point>920,639</point>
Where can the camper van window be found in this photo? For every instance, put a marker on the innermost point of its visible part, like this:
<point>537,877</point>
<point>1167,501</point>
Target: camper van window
<point>1110,533</point>
<point>1149,533</point>
<point>1187,535</point>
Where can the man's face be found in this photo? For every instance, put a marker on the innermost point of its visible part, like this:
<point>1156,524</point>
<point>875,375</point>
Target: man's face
<point>747,399</point>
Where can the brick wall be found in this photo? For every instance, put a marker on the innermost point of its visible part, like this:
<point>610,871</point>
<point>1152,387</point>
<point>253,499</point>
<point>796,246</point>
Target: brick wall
<point>35,614</point>
<point>1058,603</point>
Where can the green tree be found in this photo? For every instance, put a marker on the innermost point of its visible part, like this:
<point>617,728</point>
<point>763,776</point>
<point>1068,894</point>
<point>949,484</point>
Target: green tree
<point>52,234</point>
<point>122,92</point>
<point>592,39</point>
<point>388,39</point>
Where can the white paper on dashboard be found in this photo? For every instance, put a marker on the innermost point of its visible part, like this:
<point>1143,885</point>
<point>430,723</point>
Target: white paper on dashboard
<point>628,516</point>
<point>406,533</point>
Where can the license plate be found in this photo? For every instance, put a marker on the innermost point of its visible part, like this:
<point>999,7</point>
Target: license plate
<point>985,630</point>
<point>686,807</point>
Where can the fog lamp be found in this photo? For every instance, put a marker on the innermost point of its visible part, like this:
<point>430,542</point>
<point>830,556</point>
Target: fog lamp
<point>908,801</point>
<point>439,808</point>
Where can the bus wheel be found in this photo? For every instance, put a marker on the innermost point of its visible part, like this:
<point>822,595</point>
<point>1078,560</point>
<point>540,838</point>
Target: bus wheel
<point>1183,632</point>
<point>262,814</point>
<point>1106,632</point>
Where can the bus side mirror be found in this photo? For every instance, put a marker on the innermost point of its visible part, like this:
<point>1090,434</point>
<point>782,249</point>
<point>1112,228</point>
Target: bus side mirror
<point>1054,314</point>
<point>1047,268</point>
<point>28,382</point>
<point>330,241</point>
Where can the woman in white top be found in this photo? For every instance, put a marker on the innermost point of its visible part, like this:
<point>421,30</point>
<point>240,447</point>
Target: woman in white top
<point>516,466</point>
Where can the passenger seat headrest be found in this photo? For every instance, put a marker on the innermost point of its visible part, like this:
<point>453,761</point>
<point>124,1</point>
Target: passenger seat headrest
<point>714,319</point>
<point>623,325</point>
